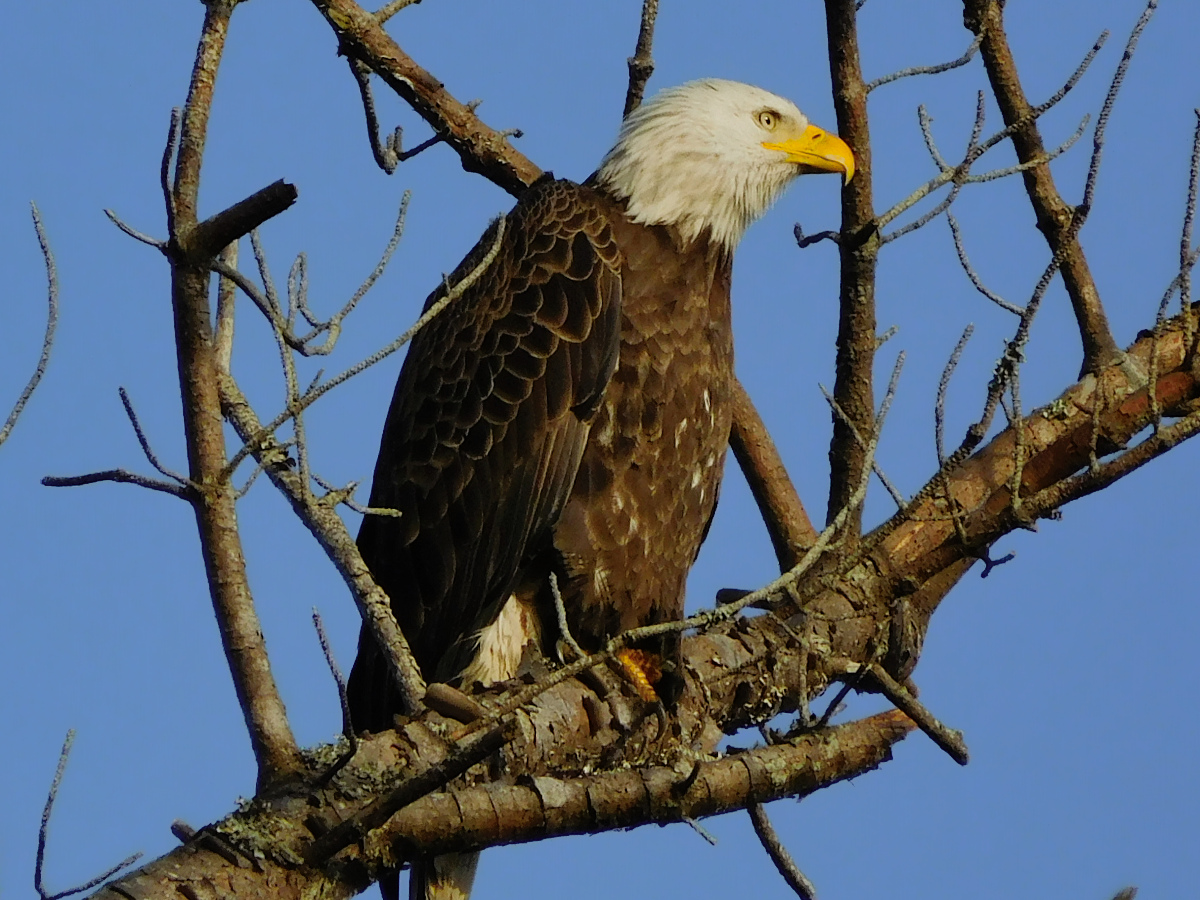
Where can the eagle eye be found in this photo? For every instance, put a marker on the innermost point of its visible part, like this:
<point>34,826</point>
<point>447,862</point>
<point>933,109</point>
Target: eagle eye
<point>768,119</point>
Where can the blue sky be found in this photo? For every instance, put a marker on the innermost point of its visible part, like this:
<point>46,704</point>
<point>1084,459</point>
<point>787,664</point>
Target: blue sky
<point>1070,670</point>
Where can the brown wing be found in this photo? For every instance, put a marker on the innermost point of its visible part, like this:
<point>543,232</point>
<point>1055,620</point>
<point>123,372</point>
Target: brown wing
<point>486,428</point>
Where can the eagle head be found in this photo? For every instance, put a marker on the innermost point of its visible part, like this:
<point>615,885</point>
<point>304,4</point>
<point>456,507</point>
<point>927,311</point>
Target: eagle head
<point>712,156</point>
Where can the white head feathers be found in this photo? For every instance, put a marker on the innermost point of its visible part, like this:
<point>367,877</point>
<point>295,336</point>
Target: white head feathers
<point>694,156</point>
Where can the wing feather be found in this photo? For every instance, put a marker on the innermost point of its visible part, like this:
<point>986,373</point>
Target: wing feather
<point>486,430</point>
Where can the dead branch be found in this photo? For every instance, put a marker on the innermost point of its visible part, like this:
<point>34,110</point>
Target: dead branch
<point>277,835</point>
<point>481,149</point>
<point>51,324</point>
<point>327,527</point>
<point>783,861</point>
<point>859,252</point>
<point>967,56</point>
<point>39,868</point>
<point>641,64</point>
<point>788,524</point>
<point>119,476</point>
<point>192,244</point>
<point>1055,218</point>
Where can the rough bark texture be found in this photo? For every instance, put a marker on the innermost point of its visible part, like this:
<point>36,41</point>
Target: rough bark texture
<point>259,850</point>
<point>859,251</point>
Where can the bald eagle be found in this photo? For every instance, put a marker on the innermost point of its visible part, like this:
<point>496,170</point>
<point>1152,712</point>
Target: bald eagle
<point>569,412</point>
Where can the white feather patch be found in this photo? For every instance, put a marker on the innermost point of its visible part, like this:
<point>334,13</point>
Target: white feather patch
<point>502,644</point>
<point>693,157</point>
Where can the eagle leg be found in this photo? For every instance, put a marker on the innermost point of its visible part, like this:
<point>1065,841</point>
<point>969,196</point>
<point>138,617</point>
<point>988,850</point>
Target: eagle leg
<point>644,670</point>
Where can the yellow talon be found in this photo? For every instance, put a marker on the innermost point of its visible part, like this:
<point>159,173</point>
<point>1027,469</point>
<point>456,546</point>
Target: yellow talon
<point>644,670</point>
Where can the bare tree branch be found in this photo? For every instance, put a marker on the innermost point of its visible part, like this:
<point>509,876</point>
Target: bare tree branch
<point>488,814</point>
<point>641,64</point>
<point>783,861</point>
<point>51,325</point>
<point>120,476</point>
<point>1055,219</point>
<point>274,745</point>
<point>859,252</point>
<point>388,10</point>
<point>967,56</point>
<point>39,875</point>
<point>481,149</point>
<point>790,529</point>
<point>340,681</point>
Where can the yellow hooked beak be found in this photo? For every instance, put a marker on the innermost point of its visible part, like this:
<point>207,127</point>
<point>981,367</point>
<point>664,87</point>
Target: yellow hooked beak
<point>816,150</point>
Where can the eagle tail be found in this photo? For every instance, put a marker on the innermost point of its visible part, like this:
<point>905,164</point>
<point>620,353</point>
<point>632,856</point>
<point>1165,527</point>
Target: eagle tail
<point>446,877</point>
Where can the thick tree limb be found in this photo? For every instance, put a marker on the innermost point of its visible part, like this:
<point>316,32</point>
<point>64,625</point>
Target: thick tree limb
<point>499,813</point>
<point>788,524</point>
<point>858,249</point>
<point>214,500</point>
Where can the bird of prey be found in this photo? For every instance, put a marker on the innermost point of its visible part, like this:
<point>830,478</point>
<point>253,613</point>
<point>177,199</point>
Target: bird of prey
<point>568,412</point>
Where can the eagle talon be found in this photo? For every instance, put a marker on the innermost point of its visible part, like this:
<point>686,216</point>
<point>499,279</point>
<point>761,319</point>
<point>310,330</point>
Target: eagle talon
<point>644,669</point>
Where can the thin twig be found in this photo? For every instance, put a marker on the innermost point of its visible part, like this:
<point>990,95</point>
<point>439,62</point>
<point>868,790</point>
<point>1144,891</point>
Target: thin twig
<point>1110,98</point>
<point>120,476</point>
<point>961,172</point>
<point>267,299</point>
<point>939,409</point>
<point>560,610</point>
<point>144,442</point>
<point>226,309</point>
<point>345,496</point>
<point>386,152</point>
<point>898,497</point>
<point>1185,239</point>
<point>836,703</point>
<point>40,864</point>
<point>388,10</point>
<point>947,739</point>
<point>787,867</point>
<point>51,325</point>
<point>169,154</point>
<point>339,680</point>
<point>134,233</point>
<point>928,70</point>
<point>317,391</point>
<point>965,262</point>
<point>1018,427</point>
<point>804,241</point>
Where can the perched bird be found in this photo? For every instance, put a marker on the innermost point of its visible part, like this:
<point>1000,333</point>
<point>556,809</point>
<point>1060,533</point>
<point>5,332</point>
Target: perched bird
<point>568,413</point>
